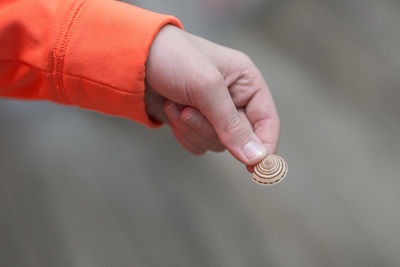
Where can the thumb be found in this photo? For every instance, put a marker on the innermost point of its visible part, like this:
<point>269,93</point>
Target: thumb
<point>237,136</point>
<point>240,140</point>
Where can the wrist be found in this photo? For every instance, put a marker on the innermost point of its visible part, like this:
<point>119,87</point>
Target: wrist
<point>154,105</point>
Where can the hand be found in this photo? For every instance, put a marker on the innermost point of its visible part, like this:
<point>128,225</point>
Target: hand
<point>214,97</point>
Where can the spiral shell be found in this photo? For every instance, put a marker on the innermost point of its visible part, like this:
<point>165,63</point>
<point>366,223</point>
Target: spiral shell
<point>271,170</point>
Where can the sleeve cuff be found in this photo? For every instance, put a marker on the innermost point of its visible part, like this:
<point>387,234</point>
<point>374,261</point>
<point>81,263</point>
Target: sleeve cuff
<point>103,66</point>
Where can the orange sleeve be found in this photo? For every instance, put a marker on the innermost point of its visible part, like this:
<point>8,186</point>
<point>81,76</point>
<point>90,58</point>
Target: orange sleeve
<point>86,53</point>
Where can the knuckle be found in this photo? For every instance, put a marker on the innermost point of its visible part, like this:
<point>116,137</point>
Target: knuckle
<point>207,81</point>
<point>275,122</point>
<point>211,79</point>
<point>235,130</point>
<point>234,123</point>
<point>244,58</point>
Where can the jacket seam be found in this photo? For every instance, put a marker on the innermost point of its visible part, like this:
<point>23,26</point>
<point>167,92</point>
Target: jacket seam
<point>77,76</point>
<point>110,87</point>
<point>106,85</point>
<point>78,8</point>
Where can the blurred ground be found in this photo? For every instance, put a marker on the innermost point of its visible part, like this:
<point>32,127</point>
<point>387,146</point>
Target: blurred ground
<point>81,189</point>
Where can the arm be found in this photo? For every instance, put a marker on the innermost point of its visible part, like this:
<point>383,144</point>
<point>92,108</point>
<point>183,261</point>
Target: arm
<point>92,54</point>
<point>84,53</point>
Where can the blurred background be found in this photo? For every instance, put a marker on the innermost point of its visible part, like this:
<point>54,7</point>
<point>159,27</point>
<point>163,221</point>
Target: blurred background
<point>78,188</point>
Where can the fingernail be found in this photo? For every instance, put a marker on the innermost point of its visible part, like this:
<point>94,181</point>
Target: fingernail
<point>192,120</point>
<point>254,150</point>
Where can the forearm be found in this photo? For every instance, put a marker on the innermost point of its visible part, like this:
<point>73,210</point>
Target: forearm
<point>85,53</point>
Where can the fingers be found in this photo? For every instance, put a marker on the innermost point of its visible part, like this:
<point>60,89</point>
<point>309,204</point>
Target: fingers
<point>193,118</point>
<point>201,128</point>
<point>190,138</point>
<point>251,92</point>
<point>187,144</point>
<point>154,104</point>
<point>262,114</point>
<point>215,102</point>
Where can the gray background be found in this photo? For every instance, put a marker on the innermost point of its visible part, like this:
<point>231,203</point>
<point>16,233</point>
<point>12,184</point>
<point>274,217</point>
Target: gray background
<point>78,188</point>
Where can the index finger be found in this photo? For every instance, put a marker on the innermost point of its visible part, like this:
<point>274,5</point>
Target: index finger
<point>215,103</point>
<point>262,114</point>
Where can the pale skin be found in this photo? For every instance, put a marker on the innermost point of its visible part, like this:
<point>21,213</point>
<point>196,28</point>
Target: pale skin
<point>213,97</point>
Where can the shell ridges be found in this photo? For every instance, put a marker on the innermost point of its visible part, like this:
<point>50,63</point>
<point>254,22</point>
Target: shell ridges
<point>271,170</point>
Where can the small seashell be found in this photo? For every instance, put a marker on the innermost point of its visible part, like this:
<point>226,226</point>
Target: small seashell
<point>271,170</point>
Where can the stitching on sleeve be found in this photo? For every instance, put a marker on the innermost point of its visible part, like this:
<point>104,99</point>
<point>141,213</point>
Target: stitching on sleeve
<point>78,8</point>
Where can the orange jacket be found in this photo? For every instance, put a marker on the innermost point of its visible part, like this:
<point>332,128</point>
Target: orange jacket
<point>86,53</point>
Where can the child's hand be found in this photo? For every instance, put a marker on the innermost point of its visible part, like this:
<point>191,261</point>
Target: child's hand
<point>216,97</point>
